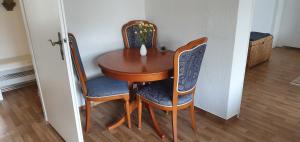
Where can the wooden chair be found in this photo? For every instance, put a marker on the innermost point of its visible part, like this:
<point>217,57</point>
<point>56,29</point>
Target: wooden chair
<point>131,40</point>
<point>175,93</point>
<point>101,89</point>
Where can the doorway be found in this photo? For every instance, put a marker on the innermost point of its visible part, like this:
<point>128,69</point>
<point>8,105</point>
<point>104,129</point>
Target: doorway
<point>16,68</point>
<point>21,109</point>
<point>53,93</point>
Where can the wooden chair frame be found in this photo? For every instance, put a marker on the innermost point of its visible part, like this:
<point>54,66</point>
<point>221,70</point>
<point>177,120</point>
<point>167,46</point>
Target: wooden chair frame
<point>136,22</point>
<point>88,100</point>
<point>176,93</point>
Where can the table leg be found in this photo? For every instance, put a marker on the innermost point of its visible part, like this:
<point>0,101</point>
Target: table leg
<point>133,105</point>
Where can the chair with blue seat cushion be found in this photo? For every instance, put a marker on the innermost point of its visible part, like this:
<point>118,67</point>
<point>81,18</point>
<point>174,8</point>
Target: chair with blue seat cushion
<point>100,89</point>
<point>131,39</point>
<point>177,93</point>
<point>160,93</point>
<point>106,87</point>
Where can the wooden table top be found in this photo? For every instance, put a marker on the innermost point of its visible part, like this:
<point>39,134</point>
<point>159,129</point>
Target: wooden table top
<point>129,65</point>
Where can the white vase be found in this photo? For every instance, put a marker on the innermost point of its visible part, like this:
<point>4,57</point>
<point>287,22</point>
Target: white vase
<point>143,50</point>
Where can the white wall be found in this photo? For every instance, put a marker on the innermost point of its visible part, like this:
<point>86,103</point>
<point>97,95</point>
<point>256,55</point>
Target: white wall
<point>277,21</point>
<point>242,35</point>
<point>97,26</point>
<point>264,15</point>
<point>289,32</point>
<point>13,40</point>
<point>181,21</point>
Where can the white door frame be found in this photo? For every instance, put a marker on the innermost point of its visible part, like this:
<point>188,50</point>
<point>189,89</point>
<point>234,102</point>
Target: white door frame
<point>69,64</point>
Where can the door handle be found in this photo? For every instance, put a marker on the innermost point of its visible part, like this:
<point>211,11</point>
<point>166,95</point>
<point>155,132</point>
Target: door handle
<point>55,43</point>
<point>60,43</point>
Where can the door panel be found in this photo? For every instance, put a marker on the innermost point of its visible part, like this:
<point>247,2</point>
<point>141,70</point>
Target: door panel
<point>45,18</point>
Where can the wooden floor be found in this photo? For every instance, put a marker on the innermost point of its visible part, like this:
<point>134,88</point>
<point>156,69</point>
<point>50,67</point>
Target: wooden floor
<point>270,112</point>
<point>21,118</point>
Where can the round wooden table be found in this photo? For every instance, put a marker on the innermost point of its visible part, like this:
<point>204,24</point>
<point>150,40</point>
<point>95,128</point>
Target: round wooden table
<point>129,65</point>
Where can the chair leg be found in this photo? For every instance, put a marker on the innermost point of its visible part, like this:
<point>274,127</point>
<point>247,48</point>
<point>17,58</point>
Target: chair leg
<point>140,111</point>
<point>174,124</point>
<point>87,116</point>
<point>192,112</point>
<point>128,112</point>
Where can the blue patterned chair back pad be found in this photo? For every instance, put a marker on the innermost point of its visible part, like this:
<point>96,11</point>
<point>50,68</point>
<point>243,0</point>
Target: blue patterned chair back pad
<point>133,39</point>
<point>189,67</point>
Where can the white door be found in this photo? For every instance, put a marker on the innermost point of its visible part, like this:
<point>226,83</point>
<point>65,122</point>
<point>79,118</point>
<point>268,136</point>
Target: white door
<point>44,19</point>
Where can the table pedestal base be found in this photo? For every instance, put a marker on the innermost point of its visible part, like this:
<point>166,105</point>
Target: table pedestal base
<point>132,107</point>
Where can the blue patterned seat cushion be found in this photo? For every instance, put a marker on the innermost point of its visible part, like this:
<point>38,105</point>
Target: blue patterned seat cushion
<point>133,39</point>
<point>105,87</point>
<point>189,67</point>
<point>161,93</point>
